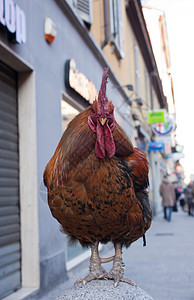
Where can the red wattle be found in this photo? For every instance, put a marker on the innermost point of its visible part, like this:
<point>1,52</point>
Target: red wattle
<point>104,139</point>
<point>109,141</point>
<point>100,142</point>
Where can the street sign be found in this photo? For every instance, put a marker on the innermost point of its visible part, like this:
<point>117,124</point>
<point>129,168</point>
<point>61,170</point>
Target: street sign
<point>157,116</point>
<point>163,128</point>
<point>155,146</point>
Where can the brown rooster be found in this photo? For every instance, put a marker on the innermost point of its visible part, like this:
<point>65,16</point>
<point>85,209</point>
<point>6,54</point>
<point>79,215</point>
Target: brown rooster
<point>97,183</point>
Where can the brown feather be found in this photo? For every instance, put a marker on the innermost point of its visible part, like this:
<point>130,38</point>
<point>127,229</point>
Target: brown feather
<point>75,145</point>
<point>97,199</point>
<point>139,168</point>
<point>123,144</point>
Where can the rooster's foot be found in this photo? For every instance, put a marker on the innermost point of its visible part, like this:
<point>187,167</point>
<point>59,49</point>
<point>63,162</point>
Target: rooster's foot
<point>98,273</point>
<point>96,270</point>
<point>117,271</point>
<point>116,274</point>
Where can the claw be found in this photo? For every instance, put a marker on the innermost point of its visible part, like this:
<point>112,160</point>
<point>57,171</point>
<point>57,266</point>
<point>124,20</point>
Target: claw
<point>78,281</point>
<point>84,282</point>
<point>128,281</point>
<point>103,276</point>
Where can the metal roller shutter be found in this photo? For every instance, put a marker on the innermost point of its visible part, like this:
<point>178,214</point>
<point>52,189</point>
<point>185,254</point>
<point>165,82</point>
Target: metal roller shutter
<point>10,265</point>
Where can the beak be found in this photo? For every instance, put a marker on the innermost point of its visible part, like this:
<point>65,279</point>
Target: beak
<point>102,121</point>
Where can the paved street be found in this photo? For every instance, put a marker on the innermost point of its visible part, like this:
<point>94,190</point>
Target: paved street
<point>164,268</point>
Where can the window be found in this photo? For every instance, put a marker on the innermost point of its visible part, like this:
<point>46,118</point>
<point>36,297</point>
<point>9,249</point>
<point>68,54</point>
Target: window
<point>137,71</point>
<point>147,89</point>
<point>68,112</point>
<point>116,26</point>
<point>84,9</point>
<point>74,254</point>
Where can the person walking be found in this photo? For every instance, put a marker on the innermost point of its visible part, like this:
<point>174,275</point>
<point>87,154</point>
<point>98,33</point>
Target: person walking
<point>189,194</point>
<point>167,191</point>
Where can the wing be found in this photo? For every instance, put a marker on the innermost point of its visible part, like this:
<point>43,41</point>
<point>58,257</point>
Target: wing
<point>123,145</point>
<point>134,158</point>
<point>139,169</point>
<point>138,166</point>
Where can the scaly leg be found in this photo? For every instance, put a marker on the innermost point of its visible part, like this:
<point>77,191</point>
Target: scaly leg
<point>96,270</point>
<point>117,271</point>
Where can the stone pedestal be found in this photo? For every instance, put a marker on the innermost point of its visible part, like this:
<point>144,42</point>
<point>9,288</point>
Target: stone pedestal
<point>105,290</point>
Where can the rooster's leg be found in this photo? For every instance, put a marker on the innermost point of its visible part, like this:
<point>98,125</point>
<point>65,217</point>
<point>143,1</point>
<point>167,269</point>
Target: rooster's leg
<point>96,270</point>
<point>117,271</point>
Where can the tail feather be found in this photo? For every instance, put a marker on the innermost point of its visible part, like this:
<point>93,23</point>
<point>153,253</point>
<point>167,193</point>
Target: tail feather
<point>144,240</point>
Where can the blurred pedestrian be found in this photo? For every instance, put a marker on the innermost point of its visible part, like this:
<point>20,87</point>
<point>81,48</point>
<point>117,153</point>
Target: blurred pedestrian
<point>177,194</point>
<point>189,194</point>
<point>167,191</point>
<point>181,198</point>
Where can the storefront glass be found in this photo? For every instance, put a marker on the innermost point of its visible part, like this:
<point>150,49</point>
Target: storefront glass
<point>68,112</point>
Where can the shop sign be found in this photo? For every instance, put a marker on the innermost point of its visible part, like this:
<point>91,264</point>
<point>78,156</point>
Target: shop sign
<point>13,18</point>
<point>79,82</point>
<point>163,128</point>
<point>157,116</point>
<point>155,146</point>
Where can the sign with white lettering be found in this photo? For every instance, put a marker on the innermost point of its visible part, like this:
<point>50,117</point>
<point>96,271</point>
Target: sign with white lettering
<point>79,82</point>
<point>13,17</point>
<point>155,146</point>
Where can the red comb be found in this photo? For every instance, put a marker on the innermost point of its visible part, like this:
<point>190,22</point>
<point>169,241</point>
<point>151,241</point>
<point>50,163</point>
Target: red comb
<point>102,98</point>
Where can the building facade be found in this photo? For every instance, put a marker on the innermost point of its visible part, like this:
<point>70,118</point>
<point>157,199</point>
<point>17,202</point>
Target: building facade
<point>128,49</point>
<point>156,25</point>
<point>52,55</point>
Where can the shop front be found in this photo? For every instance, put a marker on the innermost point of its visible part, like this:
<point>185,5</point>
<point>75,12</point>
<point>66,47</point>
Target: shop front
<point>10,246</point>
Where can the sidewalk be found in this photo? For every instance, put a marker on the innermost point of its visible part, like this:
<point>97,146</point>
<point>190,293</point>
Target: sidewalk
<point>164,268</point>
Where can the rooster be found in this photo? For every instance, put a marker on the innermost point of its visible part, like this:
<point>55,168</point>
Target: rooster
<point>97,186</point>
